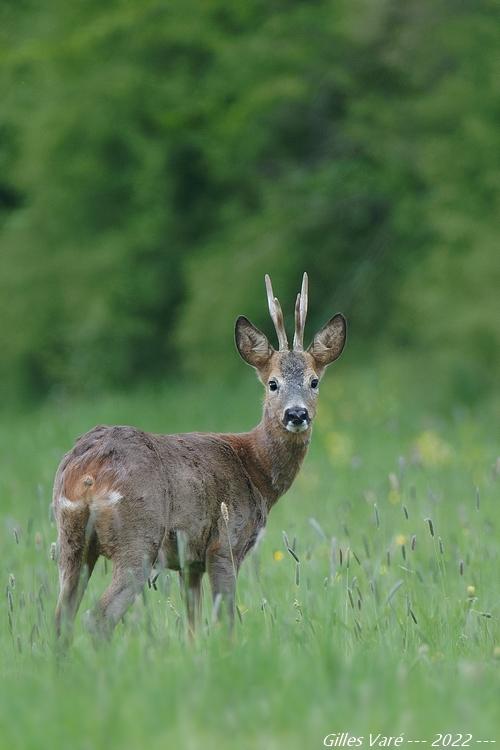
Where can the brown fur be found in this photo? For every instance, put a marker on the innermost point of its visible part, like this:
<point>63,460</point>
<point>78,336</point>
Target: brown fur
<point>81,482</point>
<point>138,498</point>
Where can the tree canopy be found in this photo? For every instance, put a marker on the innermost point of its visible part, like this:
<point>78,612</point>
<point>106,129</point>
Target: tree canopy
<point>157,158</point>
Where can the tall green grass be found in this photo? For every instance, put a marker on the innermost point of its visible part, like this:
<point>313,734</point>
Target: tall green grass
<point>382,626</point>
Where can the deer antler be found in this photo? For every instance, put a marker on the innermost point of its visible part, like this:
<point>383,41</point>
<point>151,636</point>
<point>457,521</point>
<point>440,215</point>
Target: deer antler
<point>300,315</point>
<point>276,315</point>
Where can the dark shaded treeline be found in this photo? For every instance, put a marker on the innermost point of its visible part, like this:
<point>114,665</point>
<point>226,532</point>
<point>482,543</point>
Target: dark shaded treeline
<point>157,158</point>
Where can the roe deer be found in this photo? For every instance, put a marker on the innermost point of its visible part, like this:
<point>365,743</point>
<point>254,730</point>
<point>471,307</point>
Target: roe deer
<point>137,497</point>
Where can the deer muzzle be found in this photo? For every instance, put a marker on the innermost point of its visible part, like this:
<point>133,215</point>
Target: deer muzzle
<point>296,419</point>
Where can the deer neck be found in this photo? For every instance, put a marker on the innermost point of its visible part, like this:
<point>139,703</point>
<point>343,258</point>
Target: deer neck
<point>275,455</point>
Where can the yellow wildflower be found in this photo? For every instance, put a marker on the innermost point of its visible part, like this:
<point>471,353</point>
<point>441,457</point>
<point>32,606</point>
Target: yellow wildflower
<point>339,447</point>
<point>431,450</point>
<point>393,481</point>
<point>394,497</point>
<point>278,555</point>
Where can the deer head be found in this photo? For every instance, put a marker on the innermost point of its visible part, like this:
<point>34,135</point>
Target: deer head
<point>291,376</point>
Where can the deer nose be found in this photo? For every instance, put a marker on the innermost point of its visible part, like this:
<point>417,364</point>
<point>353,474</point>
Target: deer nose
<point>297,415</point>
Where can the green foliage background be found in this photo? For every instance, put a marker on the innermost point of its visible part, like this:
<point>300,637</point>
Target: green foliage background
<point>156,158</point>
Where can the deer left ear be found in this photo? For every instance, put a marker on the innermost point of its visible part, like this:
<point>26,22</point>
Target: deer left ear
<point>329,342</point>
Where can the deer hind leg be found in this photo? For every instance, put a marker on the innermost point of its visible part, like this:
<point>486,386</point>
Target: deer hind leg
<point>120,594</point>
<point>222,575</point>
<point>130,572</point>
<point>78,553</point>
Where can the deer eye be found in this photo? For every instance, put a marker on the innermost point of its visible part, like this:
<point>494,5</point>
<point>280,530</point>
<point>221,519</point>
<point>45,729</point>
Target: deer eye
<point>314,383</point>
<point>273,385</point>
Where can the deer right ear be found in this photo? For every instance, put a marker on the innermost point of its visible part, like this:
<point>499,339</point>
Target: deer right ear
<point>251,343</point>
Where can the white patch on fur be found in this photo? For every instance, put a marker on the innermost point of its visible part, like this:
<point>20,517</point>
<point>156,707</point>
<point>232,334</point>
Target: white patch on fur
<point>291,427</point>
<point>66,504</point>
<point>111,498</point>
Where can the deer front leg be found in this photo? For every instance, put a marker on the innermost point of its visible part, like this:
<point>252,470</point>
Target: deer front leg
<point>222,575</point>
<point>191,577</point>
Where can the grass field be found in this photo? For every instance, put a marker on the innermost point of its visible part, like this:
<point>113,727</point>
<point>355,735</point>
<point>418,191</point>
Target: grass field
<point>383,626</point>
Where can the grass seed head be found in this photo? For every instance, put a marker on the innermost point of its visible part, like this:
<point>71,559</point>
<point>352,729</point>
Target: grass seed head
<point>317,528</point>
<point>350,598</point>
<point>365,546</point>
